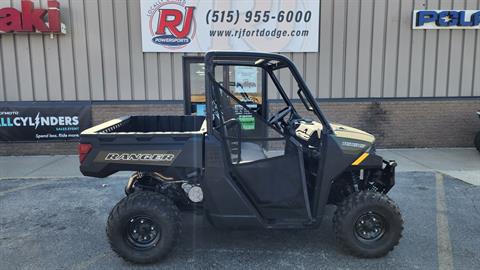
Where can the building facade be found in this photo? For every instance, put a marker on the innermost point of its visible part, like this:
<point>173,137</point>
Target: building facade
<point>409,87</point>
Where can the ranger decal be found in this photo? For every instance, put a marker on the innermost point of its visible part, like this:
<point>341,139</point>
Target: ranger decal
<point>139,156</point>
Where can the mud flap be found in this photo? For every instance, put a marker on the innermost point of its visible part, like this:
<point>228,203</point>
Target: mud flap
<point>388,174</point>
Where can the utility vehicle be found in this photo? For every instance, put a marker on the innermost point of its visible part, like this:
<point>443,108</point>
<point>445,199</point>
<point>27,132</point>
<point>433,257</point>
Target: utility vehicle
<point>243,168</point>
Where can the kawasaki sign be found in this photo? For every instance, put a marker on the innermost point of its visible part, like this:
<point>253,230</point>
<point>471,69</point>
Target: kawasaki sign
<point>39,122</point>
<point>31,19</point>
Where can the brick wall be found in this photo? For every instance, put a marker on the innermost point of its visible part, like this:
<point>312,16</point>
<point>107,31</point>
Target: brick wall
<point>445,123</point>
<point>399,123</point>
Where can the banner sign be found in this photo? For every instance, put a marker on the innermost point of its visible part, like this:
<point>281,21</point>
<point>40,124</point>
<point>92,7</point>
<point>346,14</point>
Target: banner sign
<point>44,122</point>
<point>203,25</point>
<point>32,20</point>
<point>446,19</point>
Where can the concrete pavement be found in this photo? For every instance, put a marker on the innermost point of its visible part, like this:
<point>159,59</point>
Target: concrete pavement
<point>59,223</point>
<point>460,163</point>
<point>53,218</point>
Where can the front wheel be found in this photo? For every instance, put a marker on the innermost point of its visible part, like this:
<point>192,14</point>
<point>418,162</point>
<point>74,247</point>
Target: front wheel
<point>143,227</point>
<point>368,224</point>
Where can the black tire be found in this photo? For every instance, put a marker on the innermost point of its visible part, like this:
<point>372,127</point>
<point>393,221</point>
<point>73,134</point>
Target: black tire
<point>129,222</point>
<point>477,141</point>
<point>368,224</point>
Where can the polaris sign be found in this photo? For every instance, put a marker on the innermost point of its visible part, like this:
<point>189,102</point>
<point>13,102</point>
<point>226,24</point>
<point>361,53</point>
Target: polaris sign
<point>446,19</point>
<point>36,122</point>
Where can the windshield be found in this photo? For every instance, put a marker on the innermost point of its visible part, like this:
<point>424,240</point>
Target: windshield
<point>290,90</point>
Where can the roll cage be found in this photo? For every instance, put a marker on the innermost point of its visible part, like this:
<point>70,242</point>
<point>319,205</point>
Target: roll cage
<point>269,63</point>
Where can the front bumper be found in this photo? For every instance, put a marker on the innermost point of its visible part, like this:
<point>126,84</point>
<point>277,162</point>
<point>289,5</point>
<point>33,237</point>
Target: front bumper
<point>388,175</point>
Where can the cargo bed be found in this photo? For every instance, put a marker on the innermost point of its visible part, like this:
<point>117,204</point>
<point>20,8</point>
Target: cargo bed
<point>172,145</point>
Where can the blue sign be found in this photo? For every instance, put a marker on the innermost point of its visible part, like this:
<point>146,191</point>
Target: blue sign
<point>446,19</point>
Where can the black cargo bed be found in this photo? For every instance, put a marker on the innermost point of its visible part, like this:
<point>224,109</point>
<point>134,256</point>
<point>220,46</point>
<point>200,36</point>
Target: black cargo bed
<point>145,143</point>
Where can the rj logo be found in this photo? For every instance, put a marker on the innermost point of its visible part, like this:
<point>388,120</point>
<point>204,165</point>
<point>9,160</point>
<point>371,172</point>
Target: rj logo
<point>172,18</point>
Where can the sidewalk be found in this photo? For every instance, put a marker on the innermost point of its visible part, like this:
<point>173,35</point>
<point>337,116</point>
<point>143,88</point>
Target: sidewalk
<point>461,163</point>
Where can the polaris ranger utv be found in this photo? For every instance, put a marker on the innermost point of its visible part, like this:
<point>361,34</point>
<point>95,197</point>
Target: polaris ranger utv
<point>242,168</point>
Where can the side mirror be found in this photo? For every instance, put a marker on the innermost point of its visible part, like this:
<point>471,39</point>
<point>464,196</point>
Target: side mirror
<point>304,101</point>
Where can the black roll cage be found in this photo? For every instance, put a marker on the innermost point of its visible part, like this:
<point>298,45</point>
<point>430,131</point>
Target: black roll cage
<point>214,58</point>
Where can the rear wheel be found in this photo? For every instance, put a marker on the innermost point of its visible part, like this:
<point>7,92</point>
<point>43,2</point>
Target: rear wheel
<point>477,141</point>
<point>368,224</point>
<point>143,227</point>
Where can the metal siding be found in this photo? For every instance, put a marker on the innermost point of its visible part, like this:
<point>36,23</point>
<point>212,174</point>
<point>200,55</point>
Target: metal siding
<point>338,50</point>
<point>24,63</point>
<point>2,78</point>
<point>366,49</point>
<point>77,33</point>
<point>109,58</point>
<point>136,55</point>
<point>38,68</point>
<point>391,48</point>
<point>325,47</point>
<point>351,48</point>
<point>10,69</point>
<point>177,76</point>
<point>476,68</point>
<point>416,57</point>
<point>151,76</point>
<point>466,80</point>
<point>430,57</point>
<point>404,48</point>
<point>443,55</point>
<point>455,65</point>
<point>52,69</point>
<point>378,48</point>
<point>165,70</point>
<point>122,47</point>
<point>286,79</point>
<point>66,57</point>
<point>311,71</point>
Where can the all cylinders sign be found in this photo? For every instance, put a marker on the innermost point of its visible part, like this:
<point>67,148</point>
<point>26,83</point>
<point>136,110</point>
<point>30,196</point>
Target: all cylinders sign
<point>203,25</point>
<point>31,19</point>
<point>44,121</point>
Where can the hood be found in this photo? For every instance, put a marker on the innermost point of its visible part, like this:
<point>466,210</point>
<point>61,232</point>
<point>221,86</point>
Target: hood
<point>347,132</point>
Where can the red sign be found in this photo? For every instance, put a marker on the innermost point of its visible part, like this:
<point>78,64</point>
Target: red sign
<point>30,19</point>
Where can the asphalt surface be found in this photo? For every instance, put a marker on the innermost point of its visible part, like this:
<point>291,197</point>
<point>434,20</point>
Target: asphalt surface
<point>60,224</point>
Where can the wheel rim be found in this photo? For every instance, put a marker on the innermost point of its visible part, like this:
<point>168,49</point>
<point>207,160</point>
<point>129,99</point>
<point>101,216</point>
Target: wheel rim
<point>143,233</point>
<point>369,227</point>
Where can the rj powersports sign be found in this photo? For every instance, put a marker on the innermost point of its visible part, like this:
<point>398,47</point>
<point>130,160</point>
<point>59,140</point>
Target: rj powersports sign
<point>31,19</point>
<point>446,19</point>
<point>43,122</point>
<point>203,25</point>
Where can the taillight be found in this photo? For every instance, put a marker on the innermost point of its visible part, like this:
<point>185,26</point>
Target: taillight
<point>83,150</point>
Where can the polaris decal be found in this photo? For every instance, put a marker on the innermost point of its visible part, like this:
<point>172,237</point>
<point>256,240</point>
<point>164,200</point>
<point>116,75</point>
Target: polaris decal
<point>446,19</point>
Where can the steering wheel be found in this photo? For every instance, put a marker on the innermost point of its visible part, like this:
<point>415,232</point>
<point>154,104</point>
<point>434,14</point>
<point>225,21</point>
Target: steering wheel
<point>274,119</point>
